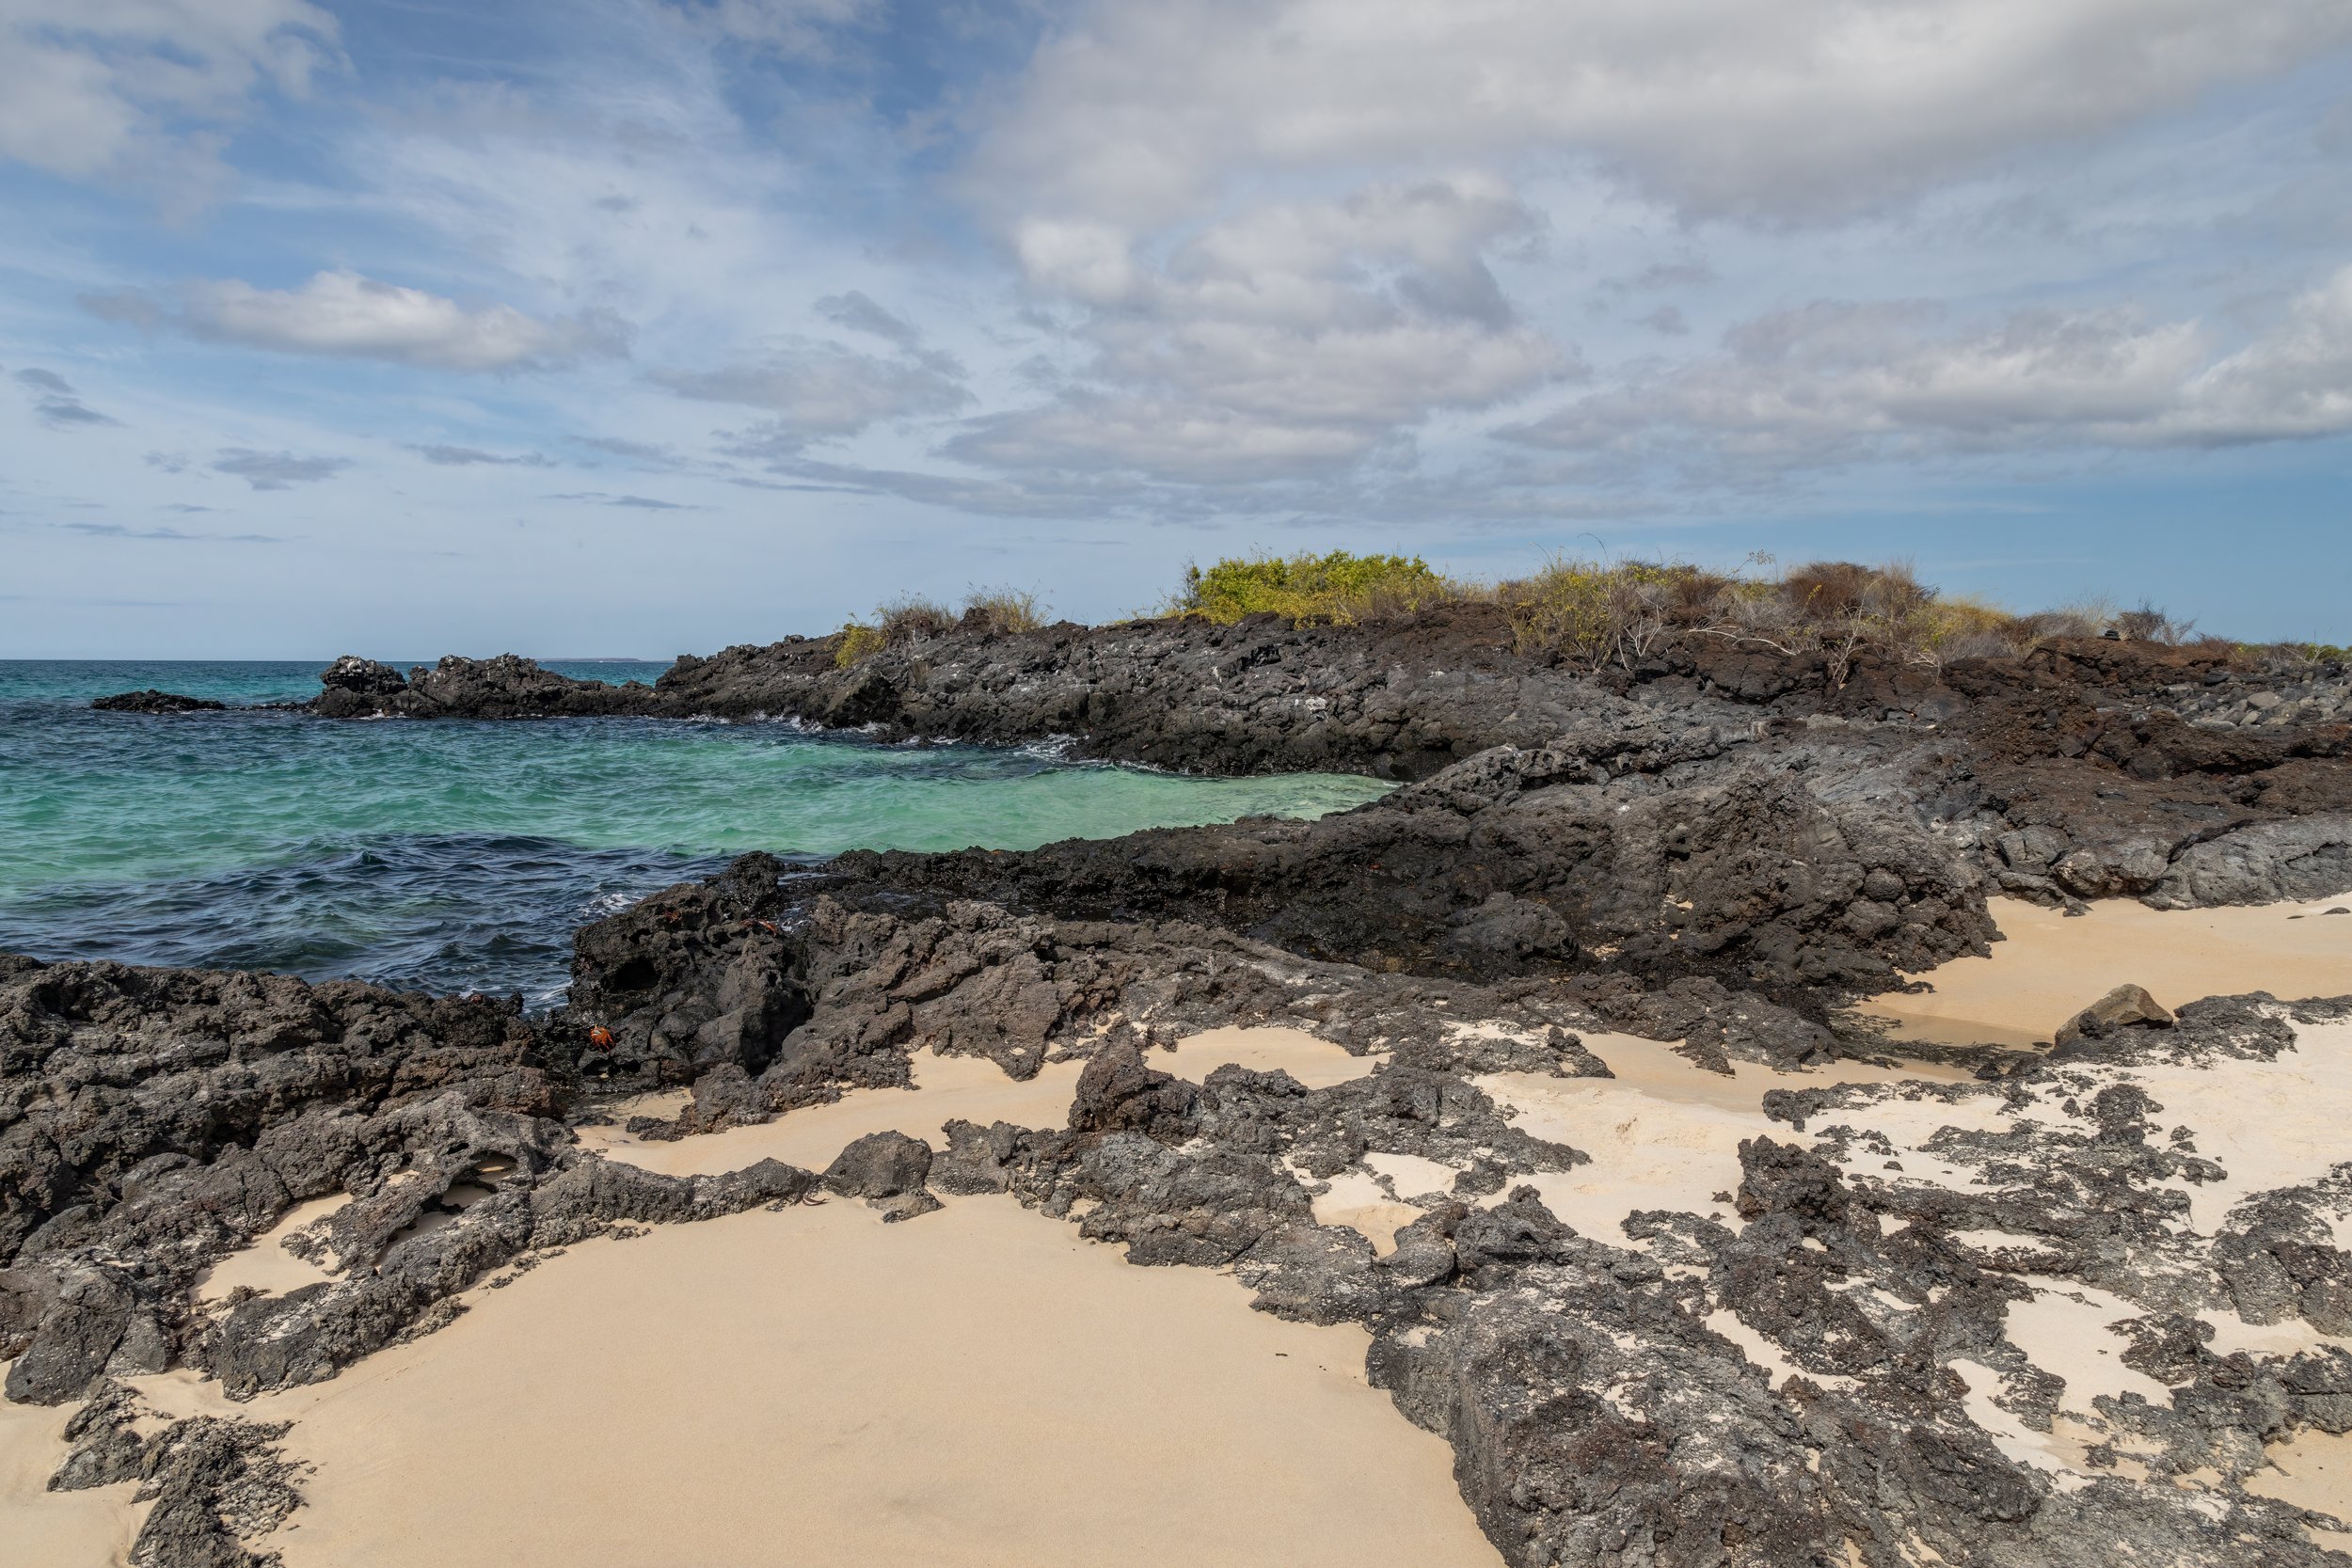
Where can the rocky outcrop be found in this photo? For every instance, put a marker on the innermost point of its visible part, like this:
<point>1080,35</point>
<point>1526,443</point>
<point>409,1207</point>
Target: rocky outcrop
<point>2082,771</point>
<point>2266,863</point>
<point>506,686</point>
<point>216,1486</point>
<point>152,1121</point>
<point>1521,863</point>
<point>152,701</point>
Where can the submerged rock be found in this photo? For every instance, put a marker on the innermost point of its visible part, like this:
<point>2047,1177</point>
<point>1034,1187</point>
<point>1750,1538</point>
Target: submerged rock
<point>152,701</point>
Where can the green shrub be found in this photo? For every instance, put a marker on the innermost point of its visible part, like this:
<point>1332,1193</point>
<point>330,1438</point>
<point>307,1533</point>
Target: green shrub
<point>859,641</point>
<point>1337,589</point>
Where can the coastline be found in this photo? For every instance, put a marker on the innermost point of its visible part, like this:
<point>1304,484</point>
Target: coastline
<point>1545,1098</point>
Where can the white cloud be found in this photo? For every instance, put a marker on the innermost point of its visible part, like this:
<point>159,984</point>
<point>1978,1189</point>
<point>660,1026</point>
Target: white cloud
<point>102,87</point>
<point>343,313</point>
<point>1135,114</point>
<point>1290,341</point>
<point>820,391</point>
<point>1834,381</point>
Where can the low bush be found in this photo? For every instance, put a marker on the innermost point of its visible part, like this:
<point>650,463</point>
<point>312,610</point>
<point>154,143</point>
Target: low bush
<point>910,615</point>
<point>1598,613</point>
<point>1337,589</point>
<point>1003,609</point>
<point>859,641</point>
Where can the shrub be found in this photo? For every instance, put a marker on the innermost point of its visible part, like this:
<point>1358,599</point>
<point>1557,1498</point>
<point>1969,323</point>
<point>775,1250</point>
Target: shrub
<point>1002,610</point>
<point>1337,589</point>
<point>1597,614</point>
<point>911,615</point>
<point>859,641</point>
<point>2148,624</point>
<point>894,622</point>
<point>1594,613</point>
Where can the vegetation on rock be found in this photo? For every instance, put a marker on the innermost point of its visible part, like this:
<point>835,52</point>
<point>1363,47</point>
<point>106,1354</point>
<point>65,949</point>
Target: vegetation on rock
<point>910,615</point>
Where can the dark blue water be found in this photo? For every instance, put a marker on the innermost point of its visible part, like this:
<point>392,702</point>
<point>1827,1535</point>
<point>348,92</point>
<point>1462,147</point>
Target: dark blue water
<point>459,856</point>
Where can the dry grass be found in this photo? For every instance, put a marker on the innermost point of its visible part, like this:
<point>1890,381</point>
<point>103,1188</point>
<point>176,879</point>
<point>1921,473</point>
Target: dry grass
<point>910,616</point>
<point>1003,609</point>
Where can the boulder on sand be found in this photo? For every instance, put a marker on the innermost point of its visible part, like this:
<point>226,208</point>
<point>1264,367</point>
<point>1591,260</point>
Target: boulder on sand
<point>2124,1007</point>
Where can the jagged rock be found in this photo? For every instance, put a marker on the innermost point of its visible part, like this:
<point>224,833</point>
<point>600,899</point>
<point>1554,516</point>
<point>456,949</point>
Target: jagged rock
<point>2127,1006</point>
<point>881,1166</point>
<point>2267,863</point>
<point>152,701</point>
<point>501,688</point>
<point>976,1158</point>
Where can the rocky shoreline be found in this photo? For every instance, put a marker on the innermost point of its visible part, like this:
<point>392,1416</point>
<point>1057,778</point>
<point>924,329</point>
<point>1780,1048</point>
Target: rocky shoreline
<point>1724,850</point>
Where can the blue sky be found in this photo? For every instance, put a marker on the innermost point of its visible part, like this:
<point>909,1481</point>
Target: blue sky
<point>640,326</point>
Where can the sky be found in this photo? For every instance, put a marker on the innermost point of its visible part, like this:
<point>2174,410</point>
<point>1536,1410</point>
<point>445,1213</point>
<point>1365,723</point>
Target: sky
<point>632,328</point>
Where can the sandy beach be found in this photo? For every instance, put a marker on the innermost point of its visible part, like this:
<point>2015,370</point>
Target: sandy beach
<point>2052,964</point>
<point>984,1388</point>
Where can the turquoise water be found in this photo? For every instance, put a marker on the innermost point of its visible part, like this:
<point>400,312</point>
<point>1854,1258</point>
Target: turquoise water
<point>453,855</point>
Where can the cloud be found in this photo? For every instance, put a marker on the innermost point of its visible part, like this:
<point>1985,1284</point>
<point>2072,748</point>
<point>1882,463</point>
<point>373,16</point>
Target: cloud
<point>642,503</point>
<point>1835,382</point>
<point>1138,112</point>
<point>823,391</point>
<point>858,313</point>
<point>92,87</point>
<point>1663,275</point>
<point>635,451</point>
<point>1290,341</point>
<point>789,26</point>
<point>277,470</point>
<point>343,313</point>
<point>117,530</point>
<point>56,405</point>
<point>462,457</point>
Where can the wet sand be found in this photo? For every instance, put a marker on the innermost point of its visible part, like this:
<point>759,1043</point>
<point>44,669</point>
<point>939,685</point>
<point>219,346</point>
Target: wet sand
<point>2053,966</point>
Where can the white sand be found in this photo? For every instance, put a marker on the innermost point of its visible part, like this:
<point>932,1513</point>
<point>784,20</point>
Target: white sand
<point>2053,966</point>
<point>1316,1063</point>
<point>976,1388</point>
<point>2312,1470</point>
<point>2269,1124</point>
<point>2066,1328</point>
<point>54,1529</point>
<point>981,1387</point>
<point>946,1087</point>
<point>1662,1134</point>
<point>970,1087</point>
<point>264,1264</point>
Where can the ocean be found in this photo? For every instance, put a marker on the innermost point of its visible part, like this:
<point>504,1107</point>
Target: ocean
<point>454,855</point>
